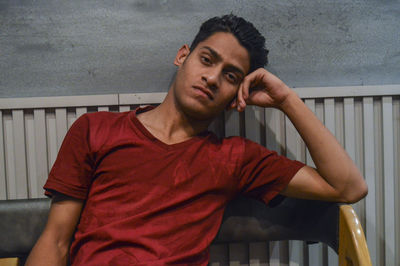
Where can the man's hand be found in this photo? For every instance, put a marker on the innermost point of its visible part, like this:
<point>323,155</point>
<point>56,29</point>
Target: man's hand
<point>336,177</point>
<point>263,89</point>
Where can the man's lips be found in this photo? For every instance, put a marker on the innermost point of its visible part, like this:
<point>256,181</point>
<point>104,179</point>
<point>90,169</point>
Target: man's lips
<point>205,90</point>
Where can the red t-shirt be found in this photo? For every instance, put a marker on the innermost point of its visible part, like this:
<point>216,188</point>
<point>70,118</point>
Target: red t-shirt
<point>149,203</point>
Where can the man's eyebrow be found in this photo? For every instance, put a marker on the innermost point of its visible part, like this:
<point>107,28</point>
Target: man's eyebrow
<point>213,52</point>
<point>218,57</point>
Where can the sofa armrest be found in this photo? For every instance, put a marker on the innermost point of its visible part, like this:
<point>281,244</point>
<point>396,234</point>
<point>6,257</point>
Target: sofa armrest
<point>21,223</point>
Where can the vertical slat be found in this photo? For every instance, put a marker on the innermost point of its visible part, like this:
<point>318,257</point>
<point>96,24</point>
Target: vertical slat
<point>61,125</point>
<point>339,120</point>
<point>275,130</point>
<point>389,185</point>
<point>330,123</point>
<point>296,253</point>
<point>20,154</point>
<point>51,135</point>
<point>9,157</point>
<point>284,252</point>
<point>378,149</point>
<point>274,253</point>
<point>238,254</point>
<point>219,255</point>
<point>396,134</point>
<point>349,127</point>
<point>369,173</point>
<point>359,151</point>
<point>258,254</point>
<point>124,108</point>
<point>3,184</point>
<point>80,111</point>
<point>232,123</point>
<point>42,168</point>
<point>103,108</point>
<point>254,119</point>
<point>30,155</point>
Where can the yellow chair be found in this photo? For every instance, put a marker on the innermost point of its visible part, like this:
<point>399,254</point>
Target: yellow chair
<point>9,262</point>
<point>353,248</point>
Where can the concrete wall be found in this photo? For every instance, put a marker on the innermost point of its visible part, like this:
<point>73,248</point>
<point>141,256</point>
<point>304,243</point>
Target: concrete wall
<point>50,48</point>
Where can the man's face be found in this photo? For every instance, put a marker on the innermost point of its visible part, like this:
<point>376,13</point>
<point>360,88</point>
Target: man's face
<point>208,77</point>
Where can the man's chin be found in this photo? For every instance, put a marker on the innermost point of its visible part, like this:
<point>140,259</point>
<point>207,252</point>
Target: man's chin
<point>200,116</point>
<point>196,109</point>
<point>200,113</point>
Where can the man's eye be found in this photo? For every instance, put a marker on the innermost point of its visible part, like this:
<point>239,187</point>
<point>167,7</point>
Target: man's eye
<point>205,60</point>
<point>231,77</point>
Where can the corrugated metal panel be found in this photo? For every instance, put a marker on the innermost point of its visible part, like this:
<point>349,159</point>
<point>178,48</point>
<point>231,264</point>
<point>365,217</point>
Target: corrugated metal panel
<point>3,183</point>
<point>40,151</point>
<point>389,185</point>
<point>368,125</point>
<point>396,146</point>
<point>369,174</point>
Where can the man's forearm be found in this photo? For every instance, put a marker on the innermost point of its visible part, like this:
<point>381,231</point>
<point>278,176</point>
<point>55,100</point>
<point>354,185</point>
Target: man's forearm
<point>48,252</point>
<point>331,160</point>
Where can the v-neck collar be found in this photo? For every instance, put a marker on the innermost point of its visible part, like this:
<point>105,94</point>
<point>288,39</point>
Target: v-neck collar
<point>147,134</point>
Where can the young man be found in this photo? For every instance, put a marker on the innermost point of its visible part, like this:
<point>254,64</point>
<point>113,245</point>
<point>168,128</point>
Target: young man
<point>149,187</point>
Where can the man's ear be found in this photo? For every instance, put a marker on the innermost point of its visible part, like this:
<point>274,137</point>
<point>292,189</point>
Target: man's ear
<point>182,54</point>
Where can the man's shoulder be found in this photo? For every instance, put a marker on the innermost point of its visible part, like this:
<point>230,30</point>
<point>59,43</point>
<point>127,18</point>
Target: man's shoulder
<point>100,115</point>
<point>103,118</point>
<point>101,123</point>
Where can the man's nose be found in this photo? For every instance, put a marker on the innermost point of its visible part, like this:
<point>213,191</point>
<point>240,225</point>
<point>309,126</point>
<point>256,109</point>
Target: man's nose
<point>211,77</point>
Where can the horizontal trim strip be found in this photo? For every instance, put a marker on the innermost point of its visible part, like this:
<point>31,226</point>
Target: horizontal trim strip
<point>59,101</point>
<point>158,97</point>
<point>348,91</point>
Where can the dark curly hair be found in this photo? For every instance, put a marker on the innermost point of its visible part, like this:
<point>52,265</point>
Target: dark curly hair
<point>245,32</point>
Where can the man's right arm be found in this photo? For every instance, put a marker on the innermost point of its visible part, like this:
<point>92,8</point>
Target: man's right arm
<point>52,248</point>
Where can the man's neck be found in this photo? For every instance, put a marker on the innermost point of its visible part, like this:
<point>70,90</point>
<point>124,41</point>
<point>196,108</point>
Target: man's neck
<point>170,125</point>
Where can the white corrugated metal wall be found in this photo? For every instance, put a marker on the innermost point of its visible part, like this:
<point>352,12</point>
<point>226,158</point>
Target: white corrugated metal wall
<point>365,120</point>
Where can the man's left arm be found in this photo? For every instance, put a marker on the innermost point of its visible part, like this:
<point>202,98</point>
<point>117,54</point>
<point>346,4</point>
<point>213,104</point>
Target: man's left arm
<point>336,177</point>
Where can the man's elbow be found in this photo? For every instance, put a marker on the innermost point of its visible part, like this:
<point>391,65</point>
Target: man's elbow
<point>356,193</point>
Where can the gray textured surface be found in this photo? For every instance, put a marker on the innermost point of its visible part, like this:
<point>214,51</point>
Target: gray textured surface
<point>76,47</point>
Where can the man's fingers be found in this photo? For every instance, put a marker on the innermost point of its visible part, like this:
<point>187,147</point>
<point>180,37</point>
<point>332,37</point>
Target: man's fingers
<point>245,87</point>
<point>239,99</point>
<point>253,79</point>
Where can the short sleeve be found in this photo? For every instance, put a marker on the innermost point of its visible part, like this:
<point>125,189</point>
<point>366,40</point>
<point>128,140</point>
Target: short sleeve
<point>72,170</point>
<point>264,173</point>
